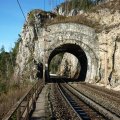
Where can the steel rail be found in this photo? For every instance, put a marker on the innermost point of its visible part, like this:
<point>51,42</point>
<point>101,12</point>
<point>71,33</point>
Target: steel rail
<point>107,114</point>
<point>77,110</point>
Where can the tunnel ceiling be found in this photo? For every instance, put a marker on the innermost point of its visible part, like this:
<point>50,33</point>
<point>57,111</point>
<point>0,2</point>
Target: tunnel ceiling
<point>70,48</point>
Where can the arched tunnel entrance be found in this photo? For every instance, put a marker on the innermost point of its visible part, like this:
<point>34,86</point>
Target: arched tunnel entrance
<point>77,51</point>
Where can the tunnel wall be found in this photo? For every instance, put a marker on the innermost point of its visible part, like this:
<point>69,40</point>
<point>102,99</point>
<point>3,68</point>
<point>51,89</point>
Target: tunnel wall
<point>71,33</point>
<point>78,53</point>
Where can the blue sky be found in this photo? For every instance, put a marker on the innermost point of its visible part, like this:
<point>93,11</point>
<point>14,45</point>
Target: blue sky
<point>12,20</point>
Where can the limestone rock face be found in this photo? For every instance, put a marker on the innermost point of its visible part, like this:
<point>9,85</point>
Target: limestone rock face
<point>73,12</point>
<point>69,66</point>
<point>109,42</point>
<point>27,60</point>
<point>106,46</point>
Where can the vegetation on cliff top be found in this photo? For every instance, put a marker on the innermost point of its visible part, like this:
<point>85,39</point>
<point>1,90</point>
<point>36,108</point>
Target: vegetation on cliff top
<point>79,4</point>
<point>112,5</point>
<point>85,5</point>
<point>80,19</point>
<point>43,16</point>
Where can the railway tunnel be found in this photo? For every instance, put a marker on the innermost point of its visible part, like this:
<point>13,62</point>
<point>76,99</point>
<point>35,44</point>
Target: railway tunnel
<point>78,52</point>
<point>79,40</point>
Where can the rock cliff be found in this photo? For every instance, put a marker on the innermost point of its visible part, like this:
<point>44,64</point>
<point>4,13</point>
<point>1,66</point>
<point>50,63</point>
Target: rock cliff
<point>108,15</point>
<point>28,56</point>
<point>69,66</point>
<point>108,33</point>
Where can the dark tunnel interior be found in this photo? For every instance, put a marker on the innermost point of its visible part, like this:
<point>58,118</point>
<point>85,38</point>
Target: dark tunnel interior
<point>77,51</point>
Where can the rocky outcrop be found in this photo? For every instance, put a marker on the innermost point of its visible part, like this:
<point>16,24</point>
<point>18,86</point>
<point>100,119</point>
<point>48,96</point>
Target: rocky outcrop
<point>26,62</point>
<point>109,46</point>
<point>60,10</point>
<point>106,46</point>
<point>69,66</point>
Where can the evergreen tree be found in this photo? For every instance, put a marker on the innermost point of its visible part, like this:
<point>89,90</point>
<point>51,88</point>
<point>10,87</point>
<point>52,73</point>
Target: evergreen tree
<point>7,64</point>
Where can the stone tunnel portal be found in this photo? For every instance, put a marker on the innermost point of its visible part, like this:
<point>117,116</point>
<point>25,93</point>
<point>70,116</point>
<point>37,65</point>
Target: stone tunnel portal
<point>77,51</point>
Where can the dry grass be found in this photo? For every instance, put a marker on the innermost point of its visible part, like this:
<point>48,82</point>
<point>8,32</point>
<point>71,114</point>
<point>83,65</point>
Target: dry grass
<point>80,19</point>
<point>11,97</point>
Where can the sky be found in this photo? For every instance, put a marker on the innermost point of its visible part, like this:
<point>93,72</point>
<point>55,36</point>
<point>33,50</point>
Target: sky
<point>12,20</point>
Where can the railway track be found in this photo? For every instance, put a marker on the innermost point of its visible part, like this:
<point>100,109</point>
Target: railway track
<point>82,106</point>
<point>61,110</point>
<point>103,97</point>
<point>67,102</point>
<point>114,94</point>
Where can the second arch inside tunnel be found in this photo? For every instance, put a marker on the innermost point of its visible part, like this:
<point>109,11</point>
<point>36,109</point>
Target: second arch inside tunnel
<point>78,52</point>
